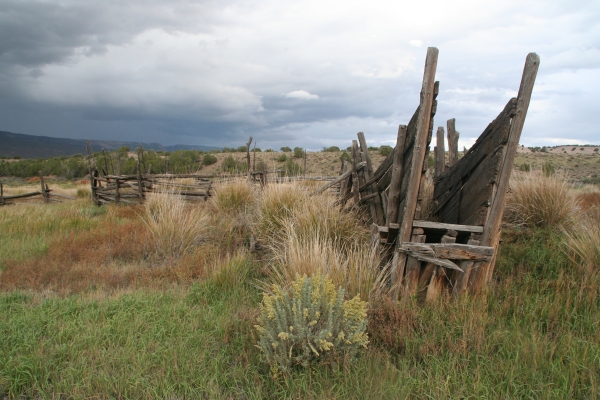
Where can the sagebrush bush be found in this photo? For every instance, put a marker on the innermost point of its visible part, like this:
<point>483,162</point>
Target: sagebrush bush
<point>541,201</point>
<point>310,322</point>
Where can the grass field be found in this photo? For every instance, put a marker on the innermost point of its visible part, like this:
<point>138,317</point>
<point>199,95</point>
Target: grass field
<point>95,303</point>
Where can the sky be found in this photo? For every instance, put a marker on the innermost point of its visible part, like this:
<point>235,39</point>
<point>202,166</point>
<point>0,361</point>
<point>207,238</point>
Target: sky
<point>308,73</point>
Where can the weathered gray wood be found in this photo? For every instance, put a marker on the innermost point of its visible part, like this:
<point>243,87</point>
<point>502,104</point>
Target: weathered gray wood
<point>462,279</point>
<point>22,196</point>
<point>453,136</point>
<point>489,140</point>
<point>394,191</point>
<point>375,205</point>
<point>440,152</point>
<point>450,250</point>
<point>337,180</point>
<point>355,182</point>
<point>139,179</point>
<point>418,155</point>
<point>248,157</point>
<point>443,226</point>
<point>413,267</point>
<point>491,232</point>
<point>117,184</point>
<point>44,189</point>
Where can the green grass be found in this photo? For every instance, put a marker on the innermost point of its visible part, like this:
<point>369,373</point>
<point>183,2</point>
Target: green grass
<point>535,332</point>
<point>535,335</point>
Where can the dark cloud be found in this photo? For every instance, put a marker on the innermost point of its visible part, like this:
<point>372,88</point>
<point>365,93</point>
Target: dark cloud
<point>215,72</point>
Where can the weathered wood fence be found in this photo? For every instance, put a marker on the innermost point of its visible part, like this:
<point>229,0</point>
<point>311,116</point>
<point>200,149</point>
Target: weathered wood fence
<point>44,194</point>
<point>455,251</point>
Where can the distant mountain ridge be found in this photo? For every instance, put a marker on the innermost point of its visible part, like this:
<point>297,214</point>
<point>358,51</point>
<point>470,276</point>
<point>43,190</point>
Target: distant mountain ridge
<point>30,146</point>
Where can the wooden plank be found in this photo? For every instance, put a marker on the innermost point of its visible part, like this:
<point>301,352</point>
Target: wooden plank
<point>450,250</point>
<point>485,144</point>
<point>443,226</point>
<point>462,278</point>
<point>413,269</point>
<point>248,157</point>
<point>440,152</point>
<point>452,142</point>
<point>21,196</point>
<point>394,191</point>
<point>491,233</point>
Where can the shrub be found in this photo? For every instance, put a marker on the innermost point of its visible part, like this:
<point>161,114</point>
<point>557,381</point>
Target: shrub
<point>548,169</point>
<point>310,322</point>
<point>291,168</point>
<point>83,193</point>
<point>525,167</point>
<point>298,152</point>
<point>282,158</point>
<point>209,159</point>
<point>385,150</point>
<point>331,149</point>
<point>345,156</point>
<point>286,149</point>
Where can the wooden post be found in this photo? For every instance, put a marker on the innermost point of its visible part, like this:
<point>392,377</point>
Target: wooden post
<point>434,289</point>
<point>1,194</point>
<point>105,163</point>
<point>394,190</point>
<point>118,164</point>
<point>305,164</point>
<point>44,190</point>
<point>413,266</point>
<point>254,158</point>
<point>491,229</point>
<point>117,194</point>
<point>375,205</point>
<point>416,170</point>
<point>440,152</point>
<point>149,169</point>
<point>167,165</point>
<point>453,136</point>
<point>140,182</point>
<point>248,156</point>
<point>355,183</point>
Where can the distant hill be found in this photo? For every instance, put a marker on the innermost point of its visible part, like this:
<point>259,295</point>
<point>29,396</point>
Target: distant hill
<point>30,146</point>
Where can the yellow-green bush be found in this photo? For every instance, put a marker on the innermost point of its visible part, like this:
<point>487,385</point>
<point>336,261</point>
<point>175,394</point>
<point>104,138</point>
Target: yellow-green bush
<point>310,322</point>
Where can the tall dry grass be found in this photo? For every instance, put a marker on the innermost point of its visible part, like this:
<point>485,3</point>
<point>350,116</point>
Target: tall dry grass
<point>175,226</point>
<point>237,196</point>
<point>541,201</point>
<point>305,235</point>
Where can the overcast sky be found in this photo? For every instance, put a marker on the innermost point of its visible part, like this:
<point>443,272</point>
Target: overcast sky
<point>296,73</point>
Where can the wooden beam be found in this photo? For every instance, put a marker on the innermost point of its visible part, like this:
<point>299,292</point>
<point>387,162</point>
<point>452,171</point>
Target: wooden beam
<point>443,226</point>
<point>394,191</point>
<point>355,182</point>
<point>452,142</point>
<point>491,231</point>
<point>337,180</point>
<point>451,251</point>
<point>440,152</point>
<point>419,149</point>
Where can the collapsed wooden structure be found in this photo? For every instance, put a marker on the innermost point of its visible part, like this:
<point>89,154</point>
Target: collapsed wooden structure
<point>455,251</point>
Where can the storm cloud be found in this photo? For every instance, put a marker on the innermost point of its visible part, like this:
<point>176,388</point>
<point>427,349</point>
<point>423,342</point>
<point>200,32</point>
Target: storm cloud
<point>310,73</point>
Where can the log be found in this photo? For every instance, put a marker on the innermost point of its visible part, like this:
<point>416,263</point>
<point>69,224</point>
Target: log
<point>21,196</point>
<point>452,251</point>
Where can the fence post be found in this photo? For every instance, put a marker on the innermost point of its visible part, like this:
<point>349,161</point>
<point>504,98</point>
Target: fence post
<point>44,190</point>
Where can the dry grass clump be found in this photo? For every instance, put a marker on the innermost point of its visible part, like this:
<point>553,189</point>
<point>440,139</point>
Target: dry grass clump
<point>541,201</point>
<point>174,225</point>
<point>308,235</point>
<point>355,268</point>
<point>583,245</point>
<point>234,197</point>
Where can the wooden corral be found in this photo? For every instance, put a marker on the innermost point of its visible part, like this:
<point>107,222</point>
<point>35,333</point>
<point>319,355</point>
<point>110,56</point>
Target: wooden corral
<point>454,252</point>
